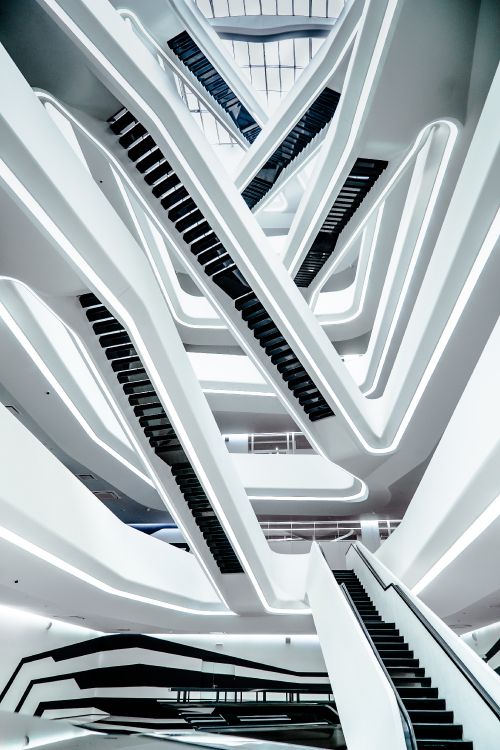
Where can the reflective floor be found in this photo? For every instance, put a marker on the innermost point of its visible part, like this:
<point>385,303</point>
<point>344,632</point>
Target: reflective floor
<point>18,732</point>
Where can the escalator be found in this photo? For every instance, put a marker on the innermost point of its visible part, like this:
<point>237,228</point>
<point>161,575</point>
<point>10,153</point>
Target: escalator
<point>433,725</point>
<point>188,52</point>
<point>359,182</point>
<point>312,122</point>
<point>148,410</point>
<point>216,262</point>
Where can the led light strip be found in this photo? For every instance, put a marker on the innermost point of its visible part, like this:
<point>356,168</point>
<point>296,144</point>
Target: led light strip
<point>22,194</point>
<point>57,562</point>
<point>27,199</point>
<point>312,367</point>
<point>367,87</point>
<point>482,522</point>
<point>418,145</point>
<point>358,497</point>
<point>298,418</point>
<point>415,255</point>
<point>145,244</point>
<point>39,362</point>
<point>368,447</point>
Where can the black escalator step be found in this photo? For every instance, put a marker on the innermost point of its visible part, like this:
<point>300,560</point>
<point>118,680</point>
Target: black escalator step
<point>120,352</point>
<point>131,377</point>
<point>205,243</point>
<point>320,413</point>
<point>270,343</point>
<point>412,692</point>
<point>280,346</point>
<point>197,231</point>
<point>156,169</point>
<point>253,313</point>
<point>308,399</point>
<point>444,744</point>
<point>246,300</point>
<point>438,731</point>
<point>421,703</point>
<point>131,135</point>
<point>126,364</point>
<point>218,264</point>
<point>144,399</point>
<point>182,468</point>
<point>409,681</point>
<point>429,716</point>
<point>139,386</point>
<point>213,252</point>
<point>154,157</point>
<point>114,339</point>
<point>139,149</point>
<point>165,453</point>
<point>259,325</point>
<point>164,442</point>
<point>159,432</point>
<point>306,387</point>
<point>231,281</point>
<point>98,313</point>
<point>161,188</point>
<point>292,365</point>
<point>151,410</point>
<point>189,220</point>
<point>181,209</point>
<point>155,423</point>
<point>293,379</point>
<point>121,120</point>
<point>174,197</point>
<point>285,356</point>
<point>107,326</point>
<point>89,300</point>
<point>269,334</point>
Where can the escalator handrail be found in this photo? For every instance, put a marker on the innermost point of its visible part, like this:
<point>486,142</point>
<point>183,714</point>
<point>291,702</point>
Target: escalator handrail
<point>411,742</point>
<point>450,652</point>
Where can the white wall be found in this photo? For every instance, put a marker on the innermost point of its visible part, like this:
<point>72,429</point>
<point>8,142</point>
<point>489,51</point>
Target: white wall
<point>462,480</point>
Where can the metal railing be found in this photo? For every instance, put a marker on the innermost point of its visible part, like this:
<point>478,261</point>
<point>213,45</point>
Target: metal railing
<point>262,695</point>
<point>321,530</point>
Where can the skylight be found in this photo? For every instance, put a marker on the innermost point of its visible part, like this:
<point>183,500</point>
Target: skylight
<point>273,66</point>
<point>311,8</point>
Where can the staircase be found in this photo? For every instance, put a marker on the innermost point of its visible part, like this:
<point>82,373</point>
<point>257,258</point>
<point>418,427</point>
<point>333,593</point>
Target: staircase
<point>216,262</point>
<point>359,182</point>
<point>196,61</point>
<point>310,124</point>
<point>148,410</point>
<point>433,724</point>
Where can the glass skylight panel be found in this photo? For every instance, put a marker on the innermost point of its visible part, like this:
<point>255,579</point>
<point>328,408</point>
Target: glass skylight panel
<point>310,8</point>
<point>215,133</point>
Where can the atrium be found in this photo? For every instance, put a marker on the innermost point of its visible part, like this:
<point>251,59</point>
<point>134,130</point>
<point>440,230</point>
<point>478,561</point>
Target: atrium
<point>249,402</point>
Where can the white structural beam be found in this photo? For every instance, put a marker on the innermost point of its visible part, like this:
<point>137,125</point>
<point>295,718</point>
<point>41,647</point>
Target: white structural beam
<point>370,47</point>
<point>43,175</point>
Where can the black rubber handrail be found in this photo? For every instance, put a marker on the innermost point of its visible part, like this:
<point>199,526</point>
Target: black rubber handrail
<point>464,670</point>
<point>408,732</point>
